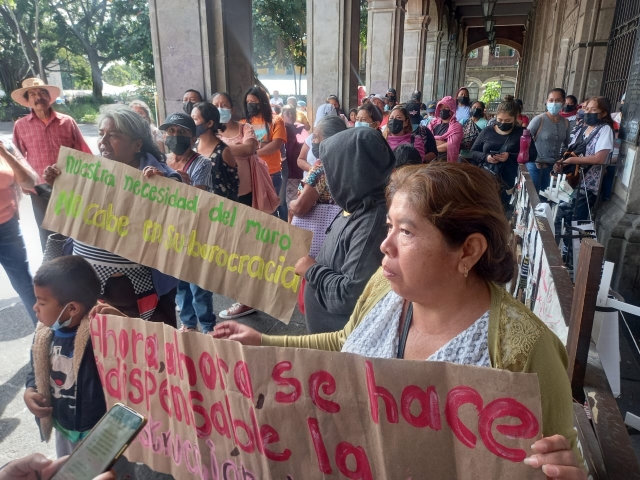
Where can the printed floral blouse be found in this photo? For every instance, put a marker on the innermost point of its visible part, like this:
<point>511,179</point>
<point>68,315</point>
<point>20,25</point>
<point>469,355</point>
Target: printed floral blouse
<point>224,178</point>
<point>318,180</point>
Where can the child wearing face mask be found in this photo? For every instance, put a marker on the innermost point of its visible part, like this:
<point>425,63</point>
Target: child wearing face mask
<point>64,390</point>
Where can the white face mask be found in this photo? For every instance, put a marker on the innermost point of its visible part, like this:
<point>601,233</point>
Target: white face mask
<point>57,326</point>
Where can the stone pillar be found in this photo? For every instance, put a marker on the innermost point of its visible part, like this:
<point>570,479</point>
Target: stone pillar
<point>333,28</point>
<point>385,34</point>
<point>443,67</point>
<point>451,88</point>
<point>413,56</point>
<point>211,53</point>
<point>431,64</point>
<point>458,81</point>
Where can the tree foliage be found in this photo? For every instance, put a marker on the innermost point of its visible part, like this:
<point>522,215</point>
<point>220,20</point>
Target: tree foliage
<point>491,92</point>
<point>101,31</point>
<point>279,33</point>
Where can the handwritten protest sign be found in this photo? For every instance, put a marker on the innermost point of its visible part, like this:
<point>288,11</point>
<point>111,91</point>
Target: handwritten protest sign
<point>218,410</point>
<point>199,237</point>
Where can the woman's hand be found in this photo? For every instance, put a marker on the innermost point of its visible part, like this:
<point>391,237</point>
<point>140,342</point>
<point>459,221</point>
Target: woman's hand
<point>3,150</point>
<point>231,330</point>
<point>501,157</point>
<point>557,460</point>
<point>185,177</point>
<point>37,466</point>
<point>303,265</point>
<point>149,172</point>
<point>105,309</point>
<point>50,174</point>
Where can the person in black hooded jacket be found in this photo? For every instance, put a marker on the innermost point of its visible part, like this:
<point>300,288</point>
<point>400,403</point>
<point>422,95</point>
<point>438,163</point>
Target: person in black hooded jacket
<point>357,165</point>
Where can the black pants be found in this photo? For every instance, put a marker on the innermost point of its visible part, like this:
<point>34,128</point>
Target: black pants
<point>39,205</point>
<point>246,199</point>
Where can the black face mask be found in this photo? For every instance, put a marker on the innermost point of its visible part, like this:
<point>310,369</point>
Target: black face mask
<point>253,109</point>
<point>505,127</point>
<point>463,101</point>
<point>395,126</point>
<point>315,149</point>
<point>445,114</point>
<point>477,113</point>
<point>591,119</point>
<point>178,144</point>
<point>187,107</point>
<point>569,108</point>
<point>201,129</point>
<point>392,99</point>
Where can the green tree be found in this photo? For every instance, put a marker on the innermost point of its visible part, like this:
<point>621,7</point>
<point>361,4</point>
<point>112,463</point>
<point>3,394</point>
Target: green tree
<point>491,92</point>
<point>279,33</point>
<point>121,74</point>
<point>105,31</point>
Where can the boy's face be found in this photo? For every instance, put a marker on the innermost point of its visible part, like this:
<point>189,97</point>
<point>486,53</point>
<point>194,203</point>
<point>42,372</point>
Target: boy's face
<point>47,307</point>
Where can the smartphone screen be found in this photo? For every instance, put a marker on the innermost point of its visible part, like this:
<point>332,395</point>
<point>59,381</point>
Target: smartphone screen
<point>103,445</point>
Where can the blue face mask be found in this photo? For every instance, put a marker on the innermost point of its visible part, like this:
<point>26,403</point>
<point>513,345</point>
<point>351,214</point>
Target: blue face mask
<point>57,326</point>
<point>225,115</point>
<point>386,108</point>
<point>554,108</point>
<point>361,124</point>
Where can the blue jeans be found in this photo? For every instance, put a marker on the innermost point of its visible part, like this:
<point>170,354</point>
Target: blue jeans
<point>196,304</point>
<point>541,177</point>
<point>282,213</point>
<point>13,258</point>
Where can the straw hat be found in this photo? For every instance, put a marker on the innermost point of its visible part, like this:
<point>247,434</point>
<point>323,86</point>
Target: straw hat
<point>30,84</point>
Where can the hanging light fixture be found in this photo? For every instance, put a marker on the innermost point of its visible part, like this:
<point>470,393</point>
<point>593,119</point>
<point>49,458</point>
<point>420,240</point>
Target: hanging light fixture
<point>489,23</point>
<point>488,6</point>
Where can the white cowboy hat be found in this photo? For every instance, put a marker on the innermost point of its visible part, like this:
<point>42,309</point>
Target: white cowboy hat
<point>30,84</point>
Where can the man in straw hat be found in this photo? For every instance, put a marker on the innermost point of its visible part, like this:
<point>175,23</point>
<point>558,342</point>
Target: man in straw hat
<point>40,134</point>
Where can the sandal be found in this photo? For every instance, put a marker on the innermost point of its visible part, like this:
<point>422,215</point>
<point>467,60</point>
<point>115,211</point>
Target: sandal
<point>236,310</point>
<point>185,329</point>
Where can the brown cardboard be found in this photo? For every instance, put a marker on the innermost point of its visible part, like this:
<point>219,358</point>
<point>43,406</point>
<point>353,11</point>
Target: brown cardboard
<point>199,237</point>
<point>307,414</point>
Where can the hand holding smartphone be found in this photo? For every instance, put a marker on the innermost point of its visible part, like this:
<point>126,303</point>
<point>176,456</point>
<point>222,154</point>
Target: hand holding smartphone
<point>103,446</point>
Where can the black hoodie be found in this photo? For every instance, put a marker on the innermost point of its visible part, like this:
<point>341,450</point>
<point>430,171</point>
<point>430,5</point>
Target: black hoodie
<point>357,164</point>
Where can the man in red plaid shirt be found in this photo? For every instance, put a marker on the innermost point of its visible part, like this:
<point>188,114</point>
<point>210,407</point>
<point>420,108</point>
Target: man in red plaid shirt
<point>40,134</point>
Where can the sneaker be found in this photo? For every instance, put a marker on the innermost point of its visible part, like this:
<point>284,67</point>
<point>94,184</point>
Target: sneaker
<point>185,329</point>
<point>236,310</point>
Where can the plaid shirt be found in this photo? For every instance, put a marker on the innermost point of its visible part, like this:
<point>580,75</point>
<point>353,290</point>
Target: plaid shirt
<point>40,142</point>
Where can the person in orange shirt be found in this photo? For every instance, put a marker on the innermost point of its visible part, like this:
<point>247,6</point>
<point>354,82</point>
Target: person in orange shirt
<point>270,132</point>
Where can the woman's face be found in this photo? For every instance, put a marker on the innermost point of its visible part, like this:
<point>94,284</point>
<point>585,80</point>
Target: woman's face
<point>555,97</point>
<point>592,107</point>
<point>363,116</point>
<point>115,145</point>
<point>253,99</point>
<point>335,103</point>
<point>353,115</point>
<point>397,114</point>
<point>417,260</point>
<point>476,105</point>
<point>220,101</point>
<point>463,93</point>
<point>199,119</point>
<point>141,112</point>
<point>503,117</point>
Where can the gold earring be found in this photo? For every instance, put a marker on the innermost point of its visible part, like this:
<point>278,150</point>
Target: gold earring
<point>466,271</point>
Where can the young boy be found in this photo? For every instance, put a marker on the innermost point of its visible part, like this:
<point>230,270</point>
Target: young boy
<point>63,387</point>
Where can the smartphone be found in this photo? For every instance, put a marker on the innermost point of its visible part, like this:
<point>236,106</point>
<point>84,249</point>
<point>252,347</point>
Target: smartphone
<point>494,152</point>
<point>103,446</point>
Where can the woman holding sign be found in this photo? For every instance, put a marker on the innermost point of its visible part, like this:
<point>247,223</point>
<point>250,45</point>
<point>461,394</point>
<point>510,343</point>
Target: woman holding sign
<point>438,297</point>
<point>134,289</point>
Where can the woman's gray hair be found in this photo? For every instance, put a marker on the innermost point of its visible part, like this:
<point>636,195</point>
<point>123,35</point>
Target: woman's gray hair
<point>329,126</point>
<point>143,106</point>
<point>133,125</point>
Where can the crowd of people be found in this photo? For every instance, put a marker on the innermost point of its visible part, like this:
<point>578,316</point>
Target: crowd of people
<point>407,204</point>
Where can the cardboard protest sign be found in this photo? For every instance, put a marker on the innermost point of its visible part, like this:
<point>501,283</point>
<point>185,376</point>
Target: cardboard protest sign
<point>196,236</point>
<point>218,410</point>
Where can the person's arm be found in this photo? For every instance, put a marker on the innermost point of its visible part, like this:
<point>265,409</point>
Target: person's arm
<point>201,175</point>
<point>454,140</point>
<point>25,177</point>
<point>429,143</point>
<point>598,159</point>
<point>228,158</point>
<point>78,139</point>
<point>337,292</point>
<point>249,142</point>
<point>302,158</point>
<point>533,127</point>
<point>301,205</point>
<point>278,138</point>
<point>477,149</point>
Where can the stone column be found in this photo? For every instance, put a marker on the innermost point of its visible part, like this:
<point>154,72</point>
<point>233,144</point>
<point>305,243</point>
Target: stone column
<point>443,66</point>
<point>333,28</point>
<point>413,56</point>
<point>211,53</point>
<point>385,35</point>
<point>431,64</point>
